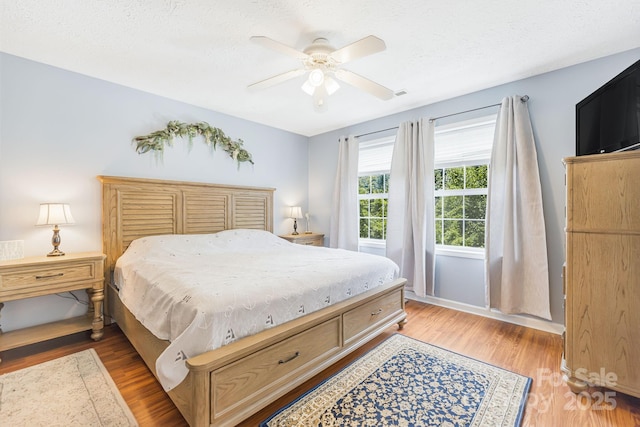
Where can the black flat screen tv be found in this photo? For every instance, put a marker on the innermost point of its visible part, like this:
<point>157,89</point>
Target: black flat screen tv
<point>608,120</point>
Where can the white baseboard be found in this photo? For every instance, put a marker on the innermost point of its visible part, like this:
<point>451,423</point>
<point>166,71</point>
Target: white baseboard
<point>531,322</point>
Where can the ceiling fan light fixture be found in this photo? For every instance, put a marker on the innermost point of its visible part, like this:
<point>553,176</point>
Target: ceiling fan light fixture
<point>331,85</point>
<point>308,88</point>
<point>316,77</point>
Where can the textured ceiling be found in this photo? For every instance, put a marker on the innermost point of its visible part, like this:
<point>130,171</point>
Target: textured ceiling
<point>198,51</point>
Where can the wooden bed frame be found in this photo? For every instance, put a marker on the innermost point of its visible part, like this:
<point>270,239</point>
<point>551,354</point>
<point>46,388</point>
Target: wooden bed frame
<point>226,385</point>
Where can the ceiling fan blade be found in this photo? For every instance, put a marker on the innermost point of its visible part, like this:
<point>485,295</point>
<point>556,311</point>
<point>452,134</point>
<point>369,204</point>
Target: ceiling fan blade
<point>277,79</point>
<point>279,47</point>
<point>366,46</point>
<point>364,84</point>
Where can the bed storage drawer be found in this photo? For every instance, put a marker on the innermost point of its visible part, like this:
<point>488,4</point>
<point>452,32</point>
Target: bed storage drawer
<point>255,376</point>
<point>360,320</point>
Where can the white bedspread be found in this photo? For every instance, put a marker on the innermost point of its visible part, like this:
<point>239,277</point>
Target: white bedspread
<point>204,291</point>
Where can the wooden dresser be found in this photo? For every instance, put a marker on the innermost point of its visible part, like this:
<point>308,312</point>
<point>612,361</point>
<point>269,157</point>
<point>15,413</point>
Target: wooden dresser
<point>602,277</point>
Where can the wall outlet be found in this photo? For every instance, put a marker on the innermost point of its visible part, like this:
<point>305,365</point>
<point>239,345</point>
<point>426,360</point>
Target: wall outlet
<point>11,249</point>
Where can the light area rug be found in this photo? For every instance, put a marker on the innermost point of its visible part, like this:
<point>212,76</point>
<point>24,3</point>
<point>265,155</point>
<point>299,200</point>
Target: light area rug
<point>406,382</point>
<point>74,390</point>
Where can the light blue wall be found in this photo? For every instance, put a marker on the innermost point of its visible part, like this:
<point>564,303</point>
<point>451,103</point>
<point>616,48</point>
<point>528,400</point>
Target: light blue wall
<point>553,97</point>
<point>59,130</point>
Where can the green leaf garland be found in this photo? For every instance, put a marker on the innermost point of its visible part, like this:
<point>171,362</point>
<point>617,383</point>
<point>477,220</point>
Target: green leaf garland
<point>213,137</point>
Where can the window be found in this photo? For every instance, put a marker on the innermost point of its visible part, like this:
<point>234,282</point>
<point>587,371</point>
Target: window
<point>374,162</point>
<point>462,154</point>
<point>460,204</point>
<point>372,195</point>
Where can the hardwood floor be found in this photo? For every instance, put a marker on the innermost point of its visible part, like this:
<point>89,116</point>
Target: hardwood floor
<point>526,351</point>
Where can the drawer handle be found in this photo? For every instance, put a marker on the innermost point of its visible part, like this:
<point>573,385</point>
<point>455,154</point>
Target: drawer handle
<point>282,362</point>
<point>375,313</point>
<point>50,276</point>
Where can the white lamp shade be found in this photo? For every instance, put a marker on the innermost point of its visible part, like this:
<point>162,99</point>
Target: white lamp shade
<point>331,85</point>
<point>55,214</point>
<point>316,77</point>
<point>308,88</point>
<point>296,212</point>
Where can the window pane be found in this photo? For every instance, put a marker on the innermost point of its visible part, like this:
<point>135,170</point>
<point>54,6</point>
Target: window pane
<point>438,231</point>
<point>438,179</point>
<point>475,206</point>
<point>376,208</point>
<point>377,184</point>
<point>476,176</point>
<point>386,183</point>
<point>474,234</point>
<point>364,208</point>
<point>364,228</point>
<point>363,185</point>
<point>454,178</point>
<point>453,207</point>
<point>385,207</point>
<point>377,228</point>
<point>452,232</point>
<point>438,207</point>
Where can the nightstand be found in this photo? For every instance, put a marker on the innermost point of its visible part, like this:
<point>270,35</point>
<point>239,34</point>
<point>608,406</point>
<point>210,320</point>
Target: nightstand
<point>311,239</point>
<point>42,275</point>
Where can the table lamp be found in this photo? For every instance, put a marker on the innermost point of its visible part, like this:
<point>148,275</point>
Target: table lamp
<point>55,214</point>
<point>296,213</point>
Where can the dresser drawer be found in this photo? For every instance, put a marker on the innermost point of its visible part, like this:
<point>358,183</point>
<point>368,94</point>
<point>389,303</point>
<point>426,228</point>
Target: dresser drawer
<point>46,276</point>
<point>363,318</point>
<point>254,376</point>
<point>602,194</point>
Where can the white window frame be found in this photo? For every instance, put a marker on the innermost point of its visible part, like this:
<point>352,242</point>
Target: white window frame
<point>382,168</point>
<point>452,250</point>
<point>463,251</point>
<point>369,242</point>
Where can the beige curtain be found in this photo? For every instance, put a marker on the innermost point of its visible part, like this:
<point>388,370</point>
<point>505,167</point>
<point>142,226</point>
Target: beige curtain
<point>344,230</point>
<point>410,219</point>
<point>517,273</point>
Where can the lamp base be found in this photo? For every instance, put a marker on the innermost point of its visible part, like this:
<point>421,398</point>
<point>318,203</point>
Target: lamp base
<point>55,252</point>
<point>55,241</point>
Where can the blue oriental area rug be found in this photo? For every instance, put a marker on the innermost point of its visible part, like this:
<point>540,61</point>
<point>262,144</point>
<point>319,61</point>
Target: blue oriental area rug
<point>406,382</point>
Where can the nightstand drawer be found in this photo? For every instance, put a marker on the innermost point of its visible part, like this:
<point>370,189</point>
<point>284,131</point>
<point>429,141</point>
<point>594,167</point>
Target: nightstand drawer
<point>309,239</point>
<point>34,277</point>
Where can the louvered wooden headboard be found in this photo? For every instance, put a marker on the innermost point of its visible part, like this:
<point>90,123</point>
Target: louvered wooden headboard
<point>136,207</point>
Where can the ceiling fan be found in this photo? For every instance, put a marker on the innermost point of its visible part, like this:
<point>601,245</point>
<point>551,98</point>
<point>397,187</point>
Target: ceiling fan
<point>323,62</point>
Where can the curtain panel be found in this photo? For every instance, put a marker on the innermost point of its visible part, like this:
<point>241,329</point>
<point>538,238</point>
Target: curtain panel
<point>517,273</point>
<point>344,229</point>
<point>410,219</point>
